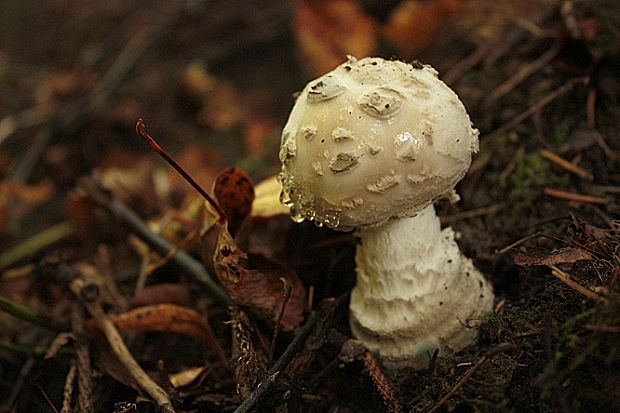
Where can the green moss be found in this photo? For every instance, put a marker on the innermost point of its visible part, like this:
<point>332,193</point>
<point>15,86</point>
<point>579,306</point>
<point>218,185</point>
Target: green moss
<point>560,132</point>
<point>532,172</point>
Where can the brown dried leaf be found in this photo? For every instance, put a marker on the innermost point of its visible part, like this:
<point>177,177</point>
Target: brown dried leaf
<point>561,256</point>
<point>172,319</point>
<point>253,284</point>
<point>17,199</point>
<point>234,192</point>
<point>220,103</point>
<point>188,376</point>
<point>170,293</point>
<point>327,31</point>
<point>256,133</point>
<point>414,24</point>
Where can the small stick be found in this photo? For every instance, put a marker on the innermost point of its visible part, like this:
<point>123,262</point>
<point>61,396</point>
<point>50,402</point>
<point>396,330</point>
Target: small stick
<point>491,352</point>
<point>569,166</point>
<point>276,331</point>
<point>603,328</point>
<point>67,392</point>
<point>531,110</point>
<point>473,213</point>
<point>82,359</point>
<point>89,299</point>
<point>381,383</point>
<point>569,196</point>
<point>141,131</point>
<point>526,71</point>
<point>565,278</point>
<point>466,63</point>
<point>268,382</point>
<point>518,242</point>
<point>132,221</point>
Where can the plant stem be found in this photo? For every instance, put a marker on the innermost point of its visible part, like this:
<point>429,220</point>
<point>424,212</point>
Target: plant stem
<point>36,243</point>
<point>27,314</point>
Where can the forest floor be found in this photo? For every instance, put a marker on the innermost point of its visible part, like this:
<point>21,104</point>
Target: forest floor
<point>101,254</point>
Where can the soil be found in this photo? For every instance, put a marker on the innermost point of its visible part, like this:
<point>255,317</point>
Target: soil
<point>539,212</point>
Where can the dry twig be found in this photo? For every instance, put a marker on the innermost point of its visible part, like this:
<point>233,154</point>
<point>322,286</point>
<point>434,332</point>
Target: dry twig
<point>565,278</point>
<point>569,166</point>
<point>132,221</point>
<point>531,110</point>
<point>88,295</point>
<point>569,196</point>
<point>491,352</point>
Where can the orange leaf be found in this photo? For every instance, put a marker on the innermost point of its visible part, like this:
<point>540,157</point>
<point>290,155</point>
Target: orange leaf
<point>172,319</point>
<point>256,133</point>
<point>328,31</point>
<point>171,293</point>
<point>413,24</point>
<point>234,192</point>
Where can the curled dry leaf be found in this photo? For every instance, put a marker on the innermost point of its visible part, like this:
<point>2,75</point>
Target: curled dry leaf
<point>169,318</point>
<point>245,358</point>
<point>234,192</point>
<point>253,283</point>
<point>329,30</point>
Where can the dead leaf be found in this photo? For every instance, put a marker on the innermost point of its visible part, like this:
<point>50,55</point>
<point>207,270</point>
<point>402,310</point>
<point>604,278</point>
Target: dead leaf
<point>561,256</point>
<point>253,284</point>
<point>221,106</point>
<point>267,199</point>
<point>17,200</point>
<point>234,192</point>
<point>256,133</point>
<point>246,363</point>
<point>130,181</point>
<point>413,24</point>
<point>171,293</point>
<point>328,31</point>
<point>169,318</point>
<point>188,376</point>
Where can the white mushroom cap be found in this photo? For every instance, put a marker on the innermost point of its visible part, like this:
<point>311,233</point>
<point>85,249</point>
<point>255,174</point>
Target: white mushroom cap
<point>374,140</point>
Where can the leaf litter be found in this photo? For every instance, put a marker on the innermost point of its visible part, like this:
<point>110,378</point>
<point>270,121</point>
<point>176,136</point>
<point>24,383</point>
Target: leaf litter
<point>539,80</point>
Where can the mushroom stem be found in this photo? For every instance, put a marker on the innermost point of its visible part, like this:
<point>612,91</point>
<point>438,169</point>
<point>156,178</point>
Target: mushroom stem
<point>415,291</point>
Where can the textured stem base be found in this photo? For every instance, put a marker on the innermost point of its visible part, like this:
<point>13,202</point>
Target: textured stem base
<point>415,291</point>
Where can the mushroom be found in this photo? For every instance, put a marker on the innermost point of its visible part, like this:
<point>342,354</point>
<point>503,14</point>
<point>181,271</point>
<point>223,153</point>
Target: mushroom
<point>371,146</point>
